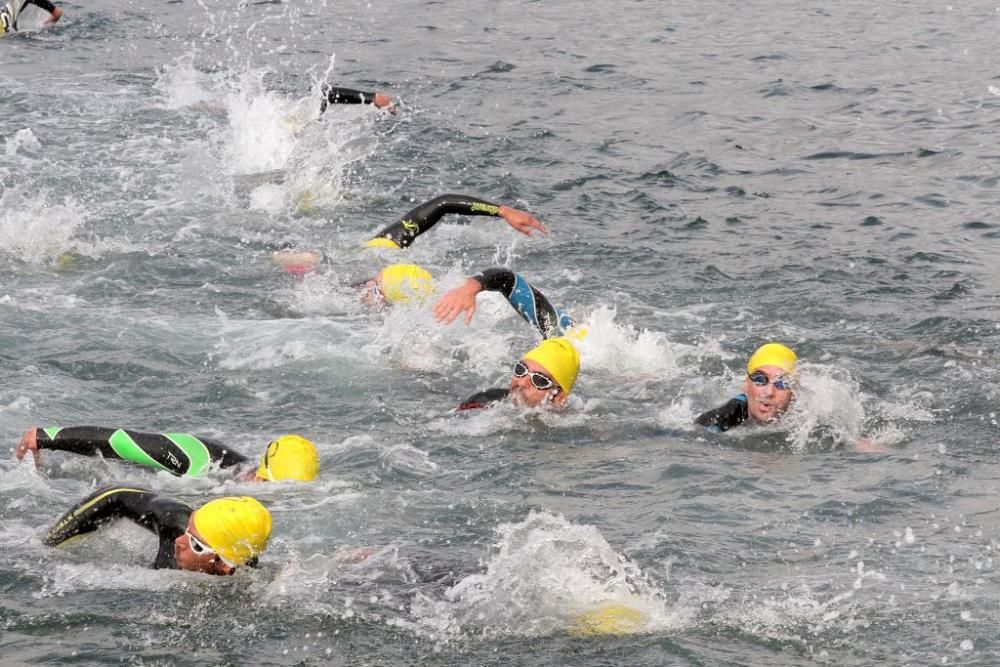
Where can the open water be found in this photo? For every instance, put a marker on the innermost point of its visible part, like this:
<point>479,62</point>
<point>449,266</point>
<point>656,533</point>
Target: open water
<point>715,175</point>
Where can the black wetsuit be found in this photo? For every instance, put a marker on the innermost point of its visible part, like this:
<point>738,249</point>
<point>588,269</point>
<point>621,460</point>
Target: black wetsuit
<point>180,454</point>
<point>8,18</point>
<point>403,232</point>
<point>731,413</point>
<point>338,95</point>
<point>530,304</point>
<point>166,517</point>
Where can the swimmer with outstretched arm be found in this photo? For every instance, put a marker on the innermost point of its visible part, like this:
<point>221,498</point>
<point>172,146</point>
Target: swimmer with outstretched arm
<point>216,538</point>
<point>290,457</point>
<point>399,282</point>
<point>10,10</point>
<point>545,375</point>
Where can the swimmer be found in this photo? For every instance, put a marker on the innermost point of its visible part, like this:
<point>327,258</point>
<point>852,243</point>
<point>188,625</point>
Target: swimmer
<point>10,10</point>
<point>218,537</point>
<point>543,377</point>
<point>767,391</point>
<point>338,95</point>
<point>401,234</point>
<point>290,457</point>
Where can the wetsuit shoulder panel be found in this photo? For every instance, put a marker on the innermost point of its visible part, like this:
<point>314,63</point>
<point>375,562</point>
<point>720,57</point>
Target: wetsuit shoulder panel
<point>404,231</point>
<point>732,413</point>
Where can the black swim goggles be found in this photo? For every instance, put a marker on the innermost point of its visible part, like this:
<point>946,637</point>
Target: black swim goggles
<point>538,380</point>
<point>780,382</point>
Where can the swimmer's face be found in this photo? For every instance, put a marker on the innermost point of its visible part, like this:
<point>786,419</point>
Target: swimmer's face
<point>372,294</point>
<point>766,402</point>
<point>524,392</point>
<point>188,558</point>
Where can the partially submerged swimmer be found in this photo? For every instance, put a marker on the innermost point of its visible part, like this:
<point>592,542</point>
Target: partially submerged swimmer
<point>409,280</point>
<point>289,457</point>
<point>218,537</point>
<point>543,377</point>
<point>767,390</point>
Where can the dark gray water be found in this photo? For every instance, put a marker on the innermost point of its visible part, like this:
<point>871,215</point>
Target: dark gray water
<point>714,176</point>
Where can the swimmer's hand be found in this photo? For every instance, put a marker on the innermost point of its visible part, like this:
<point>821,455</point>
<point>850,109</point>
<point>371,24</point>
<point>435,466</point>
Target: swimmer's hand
<point>866,446</point>
<point>521,221</point>
<point>384,102</point>
<point>53,17</point>
<point>29,443</point>
<point>461,299</point>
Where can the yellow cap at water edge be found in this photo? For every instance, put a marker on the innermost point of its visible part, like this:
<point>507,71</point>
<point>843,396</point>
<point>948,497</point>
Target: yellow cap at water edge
<point>772,354</point>
<point>403,282</point>
<point>610,619</point>
<point>289,457</point>
<point>237,529</point>
<point>381,242</point>
<point>559,357</point>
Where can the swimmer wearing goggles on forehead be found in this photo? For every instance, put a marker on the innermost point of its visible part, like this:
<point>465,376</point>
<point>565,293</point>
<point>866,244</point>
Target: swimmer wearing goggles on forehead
<point>216,538</point>
<point>767,390</point>
<point>289,457</point>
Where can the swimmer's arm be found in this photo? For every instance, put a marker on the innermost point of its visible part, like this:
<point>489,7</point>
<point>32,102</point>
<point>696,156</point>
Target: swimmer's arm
<point>177,453</point>
<point>403,232</point>
<point>55,13</point>
<point>109,504</point>
<point>338,95</point>
<point>523,297</point>
<point>732,413</point>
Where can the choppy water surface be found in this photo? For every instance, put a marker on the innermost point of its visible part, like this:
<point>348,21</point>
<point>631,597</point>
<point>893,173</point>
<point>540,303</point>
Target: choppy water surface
<point>713,176</point>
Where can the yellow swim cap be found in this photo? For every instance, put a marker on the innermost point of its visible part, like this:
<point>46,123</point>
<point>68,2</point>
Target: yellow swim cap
<point>237,529</point>
<point>772,354</point>
<point>381,242</point>
<point>611,619</point>
<point>403,282</point>
<point>289,457</point>
<point>559,357</point>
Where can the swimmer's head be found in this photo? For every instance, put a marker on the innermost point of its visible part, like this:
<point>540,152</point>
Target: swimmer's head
<point>381,242</point>
<point>772,354</point>
<point>236,530</point>
<point>296,262</point>
<point>289,457</point>
<point>545,373</point>
<point>399,284</point>
<point>768,385</point>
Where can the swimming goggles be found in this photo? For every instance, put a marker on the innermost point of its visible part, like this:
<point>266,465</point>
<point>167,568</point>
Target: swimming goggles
<point>538,380</point>
<point>197,546</point>
<point>780,382</point>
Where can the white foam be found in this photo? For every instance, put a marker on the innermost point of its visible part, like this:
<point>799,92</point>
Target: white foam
<point>544,573</point>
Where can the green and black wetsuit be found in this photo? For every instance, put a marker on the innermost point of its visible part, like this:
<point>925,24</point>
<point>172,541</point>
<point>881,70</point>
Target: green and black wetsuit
<point>403,232</point>
<point>338,95</point>
<point>166,517</point>
<point>180,454</point>
<point>530,304</point>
